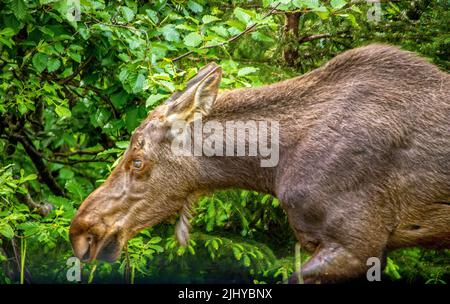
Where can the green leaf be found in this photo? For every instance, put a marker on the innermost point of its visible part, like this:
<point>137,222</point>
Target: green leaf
<point>84,32</point>
<point>6,230</point>
<point>246,261</point>
<point>8,42</point>
<point>338,4</point>
<point>131,119</point>
<point>127,13</point>
<point>28,178</point>
<point>66,173</point>
<point>152,15</point>
<point>22,108</point>
<point>157,248</point>
<point>209,18</point>
<point>119,99</point>
<point>153,99</point>
<point>28,228</point>
<point>352,19</point>
<point>391,269</point>
<point>312,4</point>
<point>47,31</point>
<point>40,61</point>
<point>139,83</point>
<point>110,151</point>
<point>124,57</point>
<point>185,27</point>
<point>75,188</point>
<point>123,75</point>
<point>122,144</point>
<point>237,253</point>
<point>53,64</point>
<point>155,240</point>
<point>195,7</point>
<point>167,84</point>
<point>19,9</point>
<point>192,39</point>
<point>100,117</point>
<point>75,56</point>
<point>220,30</point>
<point>261,37</point>
<point>242,15</point>
<point>63,112</point>
<point>170,33</point>
<point>322,12</point>
<point>246,71</point>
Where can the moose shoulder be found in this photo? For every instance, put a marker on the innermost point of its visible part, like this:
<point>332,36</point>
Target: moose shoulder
<point>363,161</point>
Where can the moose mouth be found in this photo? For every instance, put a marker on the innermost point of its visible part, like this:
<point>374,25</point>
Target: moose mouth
<point>107,250</point>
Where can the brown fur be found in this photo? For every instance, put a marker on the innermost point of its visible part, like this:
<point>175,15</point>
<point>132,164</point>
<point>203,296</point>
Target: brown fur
<point>364,162</point>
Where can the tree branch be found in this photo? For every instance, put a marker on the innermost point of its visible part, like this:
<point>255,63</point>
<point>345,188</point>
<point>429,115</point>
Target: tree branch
<point>78,152</point>
<point>313,37</point>
<point>77,71</point>
<point>76,161</point>
<point>42,209</point>
<point>319,36</point>
<point>101,94</point>
<point>38,162</point>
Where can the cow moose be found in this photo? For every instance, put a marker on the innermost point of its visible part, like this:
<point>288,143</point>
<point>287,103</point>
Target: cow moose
<point>363,166</point>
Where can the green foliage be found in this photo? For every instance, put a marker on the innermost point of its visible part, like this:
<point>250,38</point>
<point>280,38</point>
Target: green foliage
<point>72,91</point>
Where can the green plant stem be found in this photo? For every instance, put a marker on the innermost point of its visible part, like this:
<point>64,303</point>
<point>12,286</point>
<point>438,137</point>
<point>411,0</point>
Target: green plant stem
<point>23,251</point>
<point>91,274</point>
<point>298,262</point>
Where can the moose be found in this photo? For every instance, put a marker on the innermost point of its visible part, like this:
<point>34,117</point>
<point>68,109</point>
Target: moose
<point>363,168</point>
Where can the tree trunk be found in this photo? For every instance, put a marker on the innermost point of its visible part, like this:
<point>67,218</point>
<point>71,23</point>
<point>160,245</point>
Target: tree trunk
<point>291,35</point>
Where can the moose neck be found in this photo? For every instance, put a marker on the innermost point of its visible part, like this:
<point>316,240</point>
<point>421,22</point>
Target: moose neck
<point>236,172</point>
<point>245,106</point>
<point>294,104</point>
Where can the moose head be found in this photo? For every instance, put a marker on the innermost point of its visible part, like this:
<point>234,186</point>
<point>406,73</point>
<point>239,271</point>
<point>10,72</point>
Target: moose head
<point>150,183</point>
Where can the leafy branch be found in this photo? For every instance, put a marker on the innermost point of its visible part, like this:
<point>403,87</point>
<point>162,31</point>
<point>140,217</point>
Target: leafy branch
<point>37,159</point>
<point>248,29</point>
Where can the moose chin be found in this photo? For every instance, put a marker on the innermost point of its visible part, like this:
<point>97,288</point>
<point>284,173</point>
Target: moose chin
<point>363,162</point>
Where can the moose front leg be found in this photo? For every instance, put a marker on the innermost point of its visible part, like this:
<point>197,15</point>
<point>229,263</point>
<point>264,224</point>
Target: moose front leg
<point>332,263</point>
<point>344,231</point>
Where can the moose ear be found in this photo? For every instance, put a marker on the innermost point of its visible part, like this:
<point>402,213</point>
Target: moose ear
<point>199,96</point>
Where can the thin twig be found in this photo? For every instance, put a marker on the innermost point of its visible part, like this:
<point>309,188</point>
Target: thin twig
<point>319,36</point>
<point>78,152</point>
<point>76,161</point>
<point>77,71</point>
<point>101,94</point>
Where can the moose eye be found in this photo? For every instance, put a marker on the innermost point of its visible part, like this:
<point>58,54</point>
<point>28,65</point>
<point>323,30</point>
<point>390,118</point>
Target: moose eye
<point>137,163</point>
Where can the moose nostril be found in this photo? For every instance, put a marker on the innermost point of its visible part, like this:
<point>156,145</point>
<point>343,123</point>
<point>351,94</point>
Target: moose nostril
<point>85,251</point>
<point>82,245</point>
<point>89,239</point>
<point>86,255</point>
